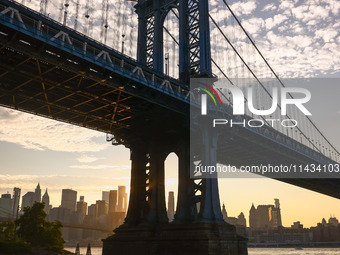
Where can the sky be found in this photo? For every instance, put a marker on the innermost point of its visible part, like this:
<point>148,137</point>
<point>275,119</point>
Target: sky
<point>298,38</point>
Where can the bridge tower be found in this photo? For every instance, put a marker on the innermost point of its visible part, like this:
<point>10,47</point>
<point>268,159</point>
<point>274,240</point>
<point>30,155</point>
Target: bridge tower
<point>194,35</point>
<point>146,223</point>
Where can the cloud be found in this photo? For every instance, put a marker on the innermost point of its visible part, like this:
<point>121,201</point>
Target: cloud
<point>34,132</point>
<point>87,159</point>
<point>269,7</point>
<point>122,167</point>
<point>243,7</point>
<point>276,20</point>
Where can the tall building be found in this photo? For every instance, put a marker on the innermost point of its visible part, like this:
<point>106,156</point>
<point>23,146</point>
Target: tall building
<point>103,208</point>
<point>46,200</point>
<point>6,203</point>
<point>93,211</point>
<point>241,220</point>
<point>224,212</point>
<point>265,216</point>
<point>37,194</point>
<point>106,196</point>
<point>16,201</point>
<point>121,195</point>
<point>125,208</point>
<point>333,221</point>
<point>171,206</point>
<point>276,214</point>
<point>27,200</point>
<point>82,206</point>
<point>112,201</point>
<point>69,199</point>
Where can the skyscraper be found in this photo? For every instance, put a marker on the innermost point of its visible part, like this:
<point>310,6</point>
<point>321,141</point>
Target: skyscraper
<point>241,220</point>
<point>102,207</point>
<point>16,201</point>
<point>276,214</point>
<point>171,206</point>
<point>46,200</point>
<point>252,217</point>
<point>112,201</point>
<point>106,196</point>
<point>224,212</point>
<point>82,206</point>
<point>37,194</point>
<point>6,203</point>
<point>265,216</point>
<point>93,211</point>
<point>27,200</point>
<point>69,199</point>
<point>121,195</point>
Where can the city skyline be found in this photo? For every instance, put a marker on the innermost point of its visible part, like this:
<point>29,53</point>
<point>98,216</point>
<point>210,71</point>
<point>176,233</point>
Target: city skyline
<point>82,198</point>
<point>61,156</point>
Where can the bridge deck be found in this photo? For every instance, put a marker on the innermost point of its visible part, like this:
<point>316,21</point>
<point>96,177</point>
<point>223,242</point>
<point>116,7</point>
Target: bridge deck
<point>52,71</point>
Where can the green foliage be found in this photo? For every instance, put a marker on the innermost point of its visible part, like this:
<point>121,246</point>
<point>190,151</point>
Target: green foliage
<point>7,231</point>
<point>14,247</point>
<point>33,228</point>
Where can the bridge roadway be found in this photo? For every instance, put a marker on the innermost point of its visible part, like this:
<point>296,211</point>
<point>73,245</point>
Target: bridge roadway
<point>52,71</point>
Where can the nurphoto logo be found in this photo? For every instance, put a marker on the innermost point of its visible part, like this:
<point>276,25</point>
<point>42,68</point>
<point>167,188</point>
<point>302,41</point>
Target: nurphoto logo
<point>279,98</point>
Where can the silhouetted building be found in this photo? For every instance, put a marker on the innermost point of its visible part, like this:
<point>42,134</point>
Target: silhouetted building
<point>326,232</point>
<point>106,196</point>
<point>333,221</point>
<point>69,199</point>
<point>16,201</point>
<point>296,225</point>
<point>224,212</point>
<point>61,214</point>
<point>265,216</point>
<point>27,200</point>
<point>241,220</point>
<point>46,200</point>
<point>121,196</point>
<point>171,206</point>
<point>93,211</point>
<point>6,203</point>
<point>276,214</point>
<point>112,201</point>
<point>82,206</point>
<point>102,206</point>
<point>37,194</point>
<point>252,217</point>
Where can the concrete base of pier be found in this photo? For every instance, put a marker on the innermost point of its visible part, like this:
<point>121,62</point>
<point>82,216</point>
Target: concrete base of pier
<point>176,239</point>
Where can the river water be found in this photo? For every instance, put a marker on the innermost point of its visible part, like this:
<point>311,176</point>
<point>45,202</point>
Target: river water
<point>251,251</point>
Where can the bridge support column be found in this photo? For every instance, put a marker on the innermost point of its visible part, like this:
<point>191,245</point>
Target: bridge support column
<point>210,210</point>
<point>138,206</point>
<point>186,209</point>
<point>157,213</point>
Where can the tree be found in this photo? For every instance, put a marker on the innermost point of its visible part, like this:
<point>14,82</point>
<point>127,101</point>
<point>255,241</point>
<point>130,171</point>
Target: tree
<point>33,228</point>
<point>7,230</point>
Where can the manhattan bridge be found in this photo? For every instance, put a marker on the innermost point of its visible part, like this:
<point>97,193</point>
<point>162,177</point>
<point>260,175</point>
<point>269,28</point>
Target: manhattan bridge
<point>124,68</point>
